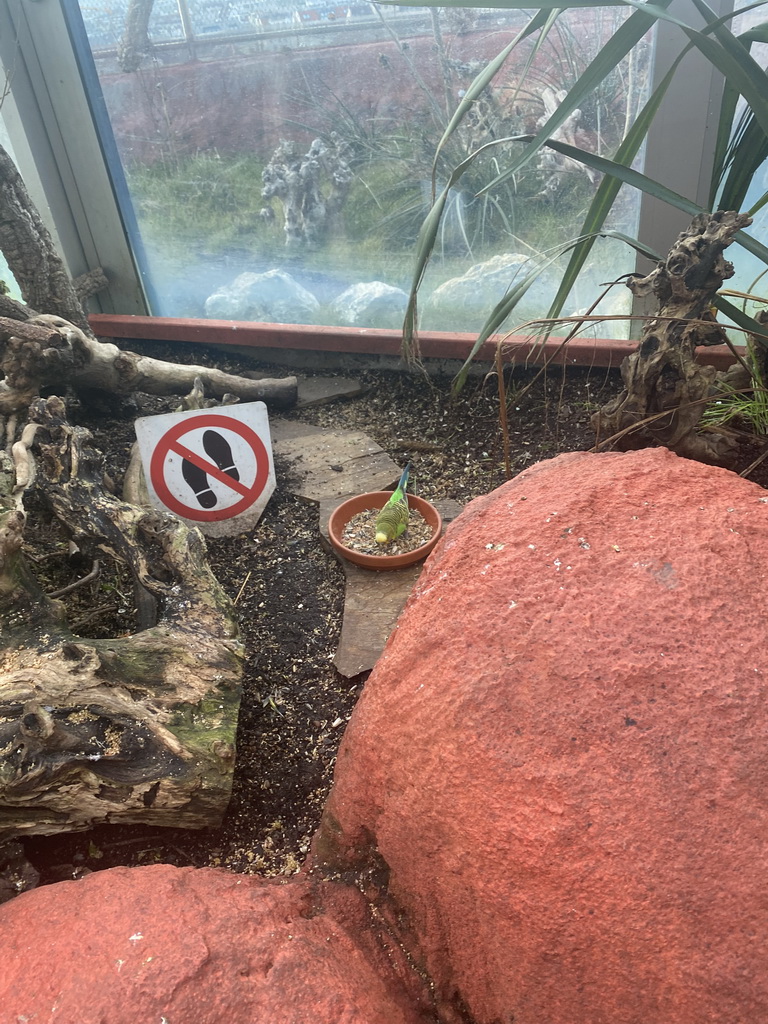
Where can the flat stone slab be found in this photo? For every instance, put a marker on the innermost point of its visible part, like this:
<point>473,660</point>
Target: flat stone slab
<point>317,390</point>
<point>373,602</point>
<point>332,464</point>
<point>281,429</point>
<point>328,466</point>
<point>321,390</point>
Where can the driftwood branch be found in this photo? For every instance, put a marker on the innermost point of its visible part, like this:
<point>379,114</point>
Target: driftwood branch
<point>137,728</point>
<point>135,44</point>
<point>663,375</point>
<point>48,350</point>
<point>14,310</point>
<point>90,284</point>
<point>30,253</point>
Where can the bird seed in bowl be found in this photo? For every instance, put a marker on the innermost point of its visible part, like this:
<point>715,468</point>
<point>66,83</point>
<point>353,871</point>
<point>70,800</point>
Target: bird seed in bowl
<point>360,534</point>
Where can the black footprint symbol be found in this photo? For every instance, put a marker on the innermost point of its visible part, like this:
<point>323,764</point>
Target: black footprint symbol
<point>198,480</point>
<point>217,447</point>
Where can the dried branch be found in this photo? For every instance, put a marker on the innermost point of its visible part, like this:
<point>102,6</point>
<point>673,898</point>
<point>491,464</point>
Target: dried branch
<point>663,375</point>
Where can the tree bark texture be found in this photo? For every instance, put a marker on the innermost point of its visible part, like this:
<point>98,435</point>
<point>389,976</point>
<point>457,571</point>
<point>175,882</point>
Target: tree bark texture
<point>138,728</point>
<point>135,44</point>
<point>49,351</point>
<point>662,376</point>
<point>29,251</point>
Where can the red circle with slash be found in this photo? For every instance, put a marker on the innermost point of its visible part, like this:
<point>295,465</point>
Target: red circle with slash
<point>171,442</point>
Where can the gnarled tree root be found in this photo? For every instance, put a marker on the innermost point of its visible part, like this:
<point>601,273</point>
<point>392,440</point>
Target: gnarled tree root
<point>138,728</point>
<point>662,376</point>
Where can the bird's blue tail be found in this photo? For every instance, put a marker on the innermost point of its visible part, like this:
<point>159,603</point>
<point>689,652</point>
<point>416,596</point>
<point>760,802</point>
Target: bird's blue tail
<point>404,478</point>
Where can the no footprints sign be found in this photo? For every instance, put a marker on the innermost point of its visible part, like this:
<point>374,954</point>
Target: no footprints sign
<point>212,467</point>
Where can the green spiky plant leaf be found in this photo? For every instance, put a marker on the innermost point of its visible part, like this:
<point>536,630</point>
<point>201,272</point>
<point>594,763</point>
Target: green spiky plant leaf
<point>741,147</point>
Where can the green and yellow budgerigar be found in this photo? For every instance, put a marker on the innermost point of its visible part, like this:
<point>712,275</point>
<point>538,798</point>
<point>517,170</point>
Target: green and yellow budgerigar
<point>393,518</point>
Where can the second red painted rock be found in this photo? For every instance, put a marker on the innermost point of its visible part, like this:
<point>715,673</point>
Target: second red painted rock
<point>198,946</point>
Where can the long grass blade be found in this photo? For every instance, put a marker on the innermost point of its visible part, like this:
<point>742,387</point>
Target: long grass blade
<point>623,40</point>
<point>738,152</point>
<point>606,61</point>
<point>746,155</point>
<point>634,243</point>
<point>502,5</point>
<point>653,188</point>
<point>757,206</point>
<point>541,20</point>
<point>743,320</point>
<point>629,175</point>
<point>756,34</point>
<point>503,309</point>
<point>425,245</point>
<point>429,232</point>
<point>724,144</point>
<point>608,189</point>
<point>724,52</point>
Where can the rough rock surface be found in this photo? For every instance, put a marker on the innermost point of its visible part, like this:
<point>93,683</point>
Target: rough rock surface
<point>195,946</point>
<point>272,297</point>
<point>485,284</point>
<point>371,304</point>
<point>561,758</point>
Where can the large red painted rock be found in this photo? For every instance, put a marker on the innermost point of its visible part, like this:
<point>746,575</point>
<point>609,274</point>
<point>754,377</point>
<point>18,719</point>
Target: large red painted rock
<point>562,756</point>
<point>195,946</point>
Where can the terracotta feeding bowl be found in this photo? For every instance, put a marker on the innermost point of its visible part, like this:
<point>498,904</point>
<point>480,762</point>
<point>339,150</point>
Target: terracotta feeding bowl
<point>377,499</point>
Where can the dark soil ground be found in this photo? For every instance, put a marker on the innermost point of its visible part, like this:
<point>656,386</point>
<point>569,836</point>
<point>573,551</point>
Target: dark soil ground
<point>290,593</point>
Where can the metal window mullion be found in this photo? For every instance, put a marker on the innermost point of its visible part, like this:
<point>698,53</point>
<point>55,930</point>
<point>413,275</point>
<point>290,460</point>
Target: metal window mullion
<point>60,138</point>
<point>680,149</point>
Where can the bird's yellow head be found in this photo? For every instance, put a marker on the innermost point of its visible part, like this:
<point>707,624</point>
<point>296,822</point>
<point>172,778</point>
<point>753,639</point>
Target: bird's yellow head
<point>382,537</point>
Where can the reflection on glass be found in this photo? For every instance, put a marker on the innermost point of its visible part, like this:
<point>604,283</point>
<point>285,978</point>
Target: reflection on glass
<point>279,155</point>
<point>751,275</point>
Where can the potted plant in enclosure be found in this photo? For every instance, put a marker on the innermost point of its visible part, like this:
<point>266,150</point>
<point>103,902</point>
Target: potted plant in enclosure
<point>740,150</point>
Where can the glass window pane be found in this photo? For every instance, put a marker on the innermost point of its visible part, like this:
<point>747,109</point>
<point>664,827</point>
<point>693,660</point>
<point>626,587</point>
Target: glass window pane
<point>750,271</point>
<point>279,155</point>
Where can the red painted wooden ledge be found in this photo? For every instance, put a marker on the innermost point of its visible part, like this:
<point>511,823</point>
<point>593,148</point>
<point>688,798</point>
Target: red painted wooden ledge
<point>603,352</point>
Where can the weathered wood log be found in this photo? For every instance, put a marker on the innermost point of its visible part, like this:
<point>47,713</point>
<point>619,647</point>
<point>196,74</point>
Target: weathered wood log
<point>30,253</point>
<point>48,350</point>
<point>90,284</point>
<point>662,376</point>
<point>135,44</point>
<point>13,309</point>
<point>137,728</point>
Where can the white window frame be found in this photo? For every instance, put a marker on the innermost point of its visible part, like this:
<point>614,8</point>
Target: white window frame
<point>52,130</point>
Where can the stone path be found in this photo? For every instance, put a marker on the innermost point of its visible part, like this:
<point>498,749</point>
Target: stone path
<point>326,467</point>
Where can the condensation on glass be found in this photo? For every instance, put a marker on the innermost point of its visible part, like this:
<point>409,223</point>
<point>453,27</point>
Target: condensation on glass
<point>749,269</point>
<point>279,156</point>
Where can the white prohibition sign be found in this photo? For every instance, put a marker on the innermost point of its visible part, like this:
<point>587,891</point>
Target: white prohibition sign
<point>208,466</point>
